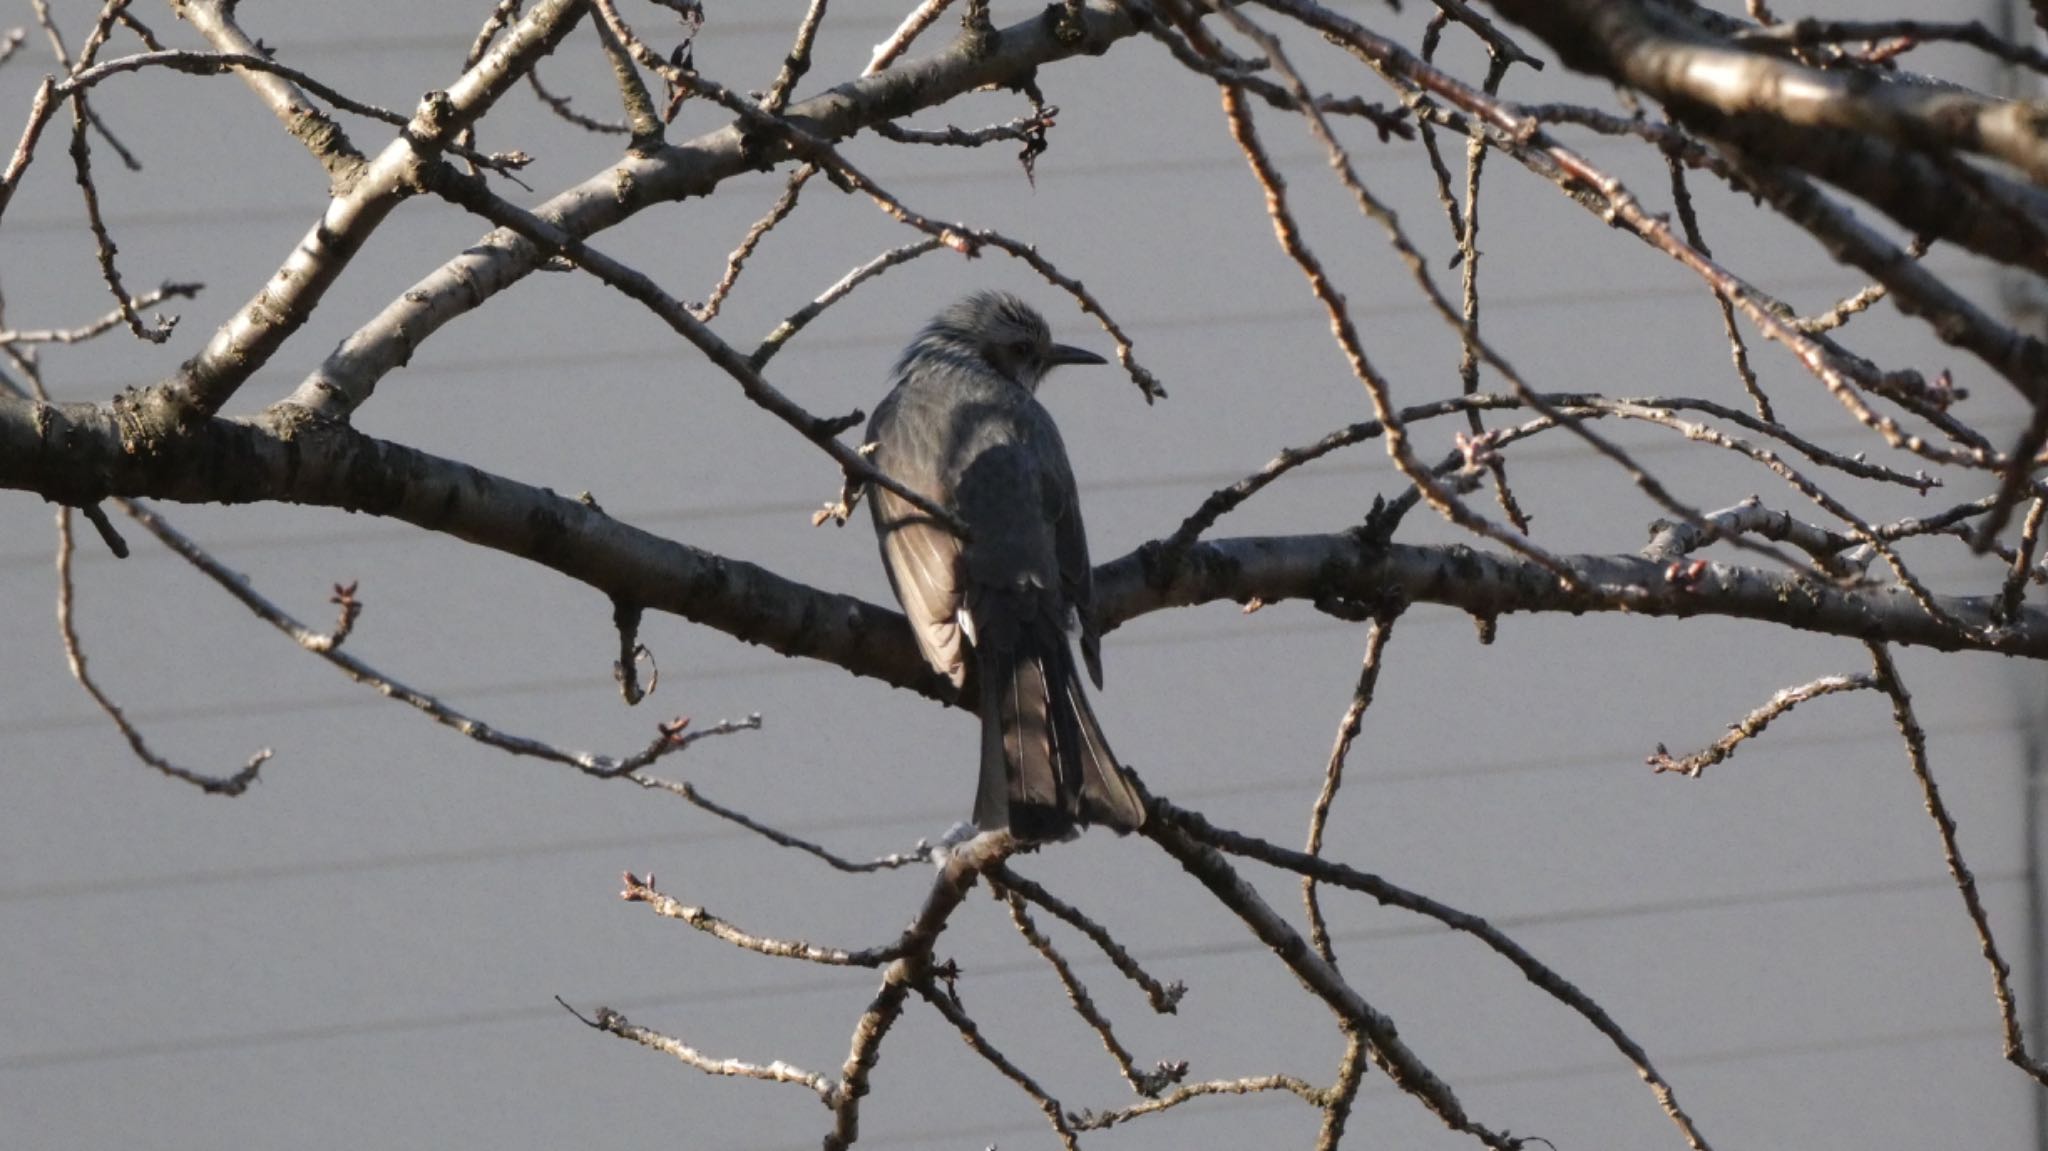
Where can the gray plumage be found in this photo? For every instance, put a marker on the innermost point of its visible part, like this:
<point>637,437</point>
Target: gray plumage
<point>962,427</point>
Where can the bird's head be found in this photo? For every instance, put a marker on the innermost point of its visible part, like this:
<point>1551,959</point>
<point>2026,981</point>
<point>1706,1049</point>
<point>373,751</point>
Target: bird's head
<point>1003,332</point>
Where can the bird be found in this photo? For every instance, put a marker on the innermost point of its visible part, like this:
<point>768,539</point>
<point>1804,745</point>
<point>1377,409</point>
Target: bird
<point>962,427</point>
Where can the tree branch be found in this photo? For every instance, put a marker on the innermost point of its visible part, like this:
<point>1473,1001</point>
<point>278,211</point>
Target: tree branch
<point>79,454</point>
<point>674,171</point>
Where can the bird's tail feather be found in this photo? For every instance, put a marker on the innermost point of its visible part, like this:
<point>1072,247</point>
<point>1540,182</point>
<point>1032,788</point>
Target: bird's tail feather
<point>1107,796</point>
<point>1045,765</point>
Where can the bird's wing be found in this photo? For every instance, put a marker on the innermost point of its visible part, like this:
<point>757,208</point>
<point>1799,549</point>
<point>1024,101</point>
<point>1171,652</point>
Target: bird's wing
<point>921,557</point>
<point>923,562</point>
<point>1070,539</point>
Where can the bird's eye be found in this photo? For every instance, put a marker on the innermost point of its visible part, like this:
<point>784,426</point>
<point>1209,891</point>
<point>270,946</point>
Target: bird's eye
<point>1021,348</point>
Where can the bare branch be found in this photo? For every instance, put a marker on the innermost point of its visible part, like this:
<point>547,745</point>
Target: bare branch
<point>1023,128</point>
<point>784,331</point>
<point>1333,772</point>
<point>74,454</point>
<point>614,1023</point>
<point>1164,997</point>
<point>639,890</point>
<point>248,339</point>
<point>1181,832</point>
<point>1752,725</point>
<point>1809,31</point>
<point>2023,560</point>
<point>1343,1093</point>
<point>642,120</point>
<point>1681,198</point>
<point>1145,1083</point>
<point>1398,449</point>
<point>1671,541</point>
<point>797,62</point>
<point>670,739</point>
<point>1097,1120</point>
<point>565,109</point>
<point>472,194</point>
<point>783,206</point>
<point>103,243</point>
<point>348,377</point>
<point>958,869</point>
<point>279,90</point>
<point>1915,737</point>
<point>74,654</point>
<point>1171,830</point>
<point>40,109</point>
<point>900,40</point>
<point>169,290</point>
<point>922,853</point>
<point>971,1034</point>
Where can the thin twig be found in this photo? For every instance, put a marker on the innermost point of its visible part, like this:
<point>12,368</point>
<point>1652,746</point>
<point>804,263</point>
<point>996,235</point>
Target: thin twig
<point>970,1033</point>
<point>1164,997</point>
<point>611,1022</point>
<point>783,206</point>
<point>103,242</point>
<point>1343,1093</point>
<point>797,62</point>
<point>1163,815</point>
<point>922,852</point>
<point>106,323</point>
<point>1021,128</point>
<point>1097,1120</point>
<point>1738,351</point>
<point>816,150</point>
<point>638,890</point>
<point>1146,1083</point>
<point>565,110</point>
<point>1333,771</point>
<point>1915,738</point>
<point>1239,115</point>
<point>1185,837</point>
<point>1858,302</point>
<point>788,328</point>
<point>74,654</point>
<point>2022,562</point>
<point>41,8</point>
<point>472,194</point>
<point>41,107</point>
<point>216,63</point>
<point>671,737</point>
<point>1752,725</point>
<point>1469,355</point>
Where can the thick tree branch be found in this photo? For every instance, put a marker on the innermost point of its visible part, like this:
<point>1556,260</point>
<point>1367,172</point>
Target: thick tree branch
<point>205,383</point>
<point>671,172</point>
<point>322,136</point>
<point>79,454</point>
<point>1882,138</point>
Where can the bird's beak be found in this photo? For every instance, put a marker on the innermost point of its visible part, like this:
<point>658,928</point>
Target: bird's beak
<point>1068,354</point>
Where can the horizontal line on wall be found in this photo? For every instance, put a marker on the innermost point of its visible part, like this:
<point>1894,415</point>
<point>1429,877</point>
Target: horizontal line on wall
<point>415,1024</point>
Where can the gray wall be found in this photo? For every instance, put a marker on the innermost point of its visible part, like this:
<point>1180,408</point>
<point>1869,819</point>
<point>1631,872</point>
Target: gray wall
<point>365,951</point>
